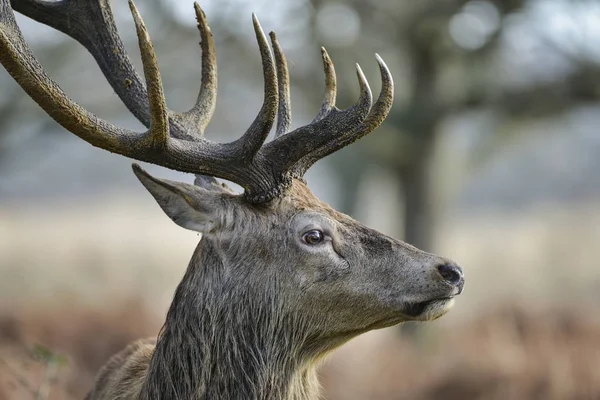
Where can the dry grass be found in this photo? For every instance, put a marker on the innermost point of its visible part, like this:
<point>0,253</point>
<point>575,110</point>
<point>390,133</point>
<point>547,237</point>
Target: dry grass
<point>31,340</point>
<point>66,278</point>
<point>89,252</point>
<point>508,353</point>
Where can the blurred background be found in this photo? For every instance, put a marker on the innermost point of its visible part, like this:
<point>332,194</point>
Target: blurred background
<point>490,156</point>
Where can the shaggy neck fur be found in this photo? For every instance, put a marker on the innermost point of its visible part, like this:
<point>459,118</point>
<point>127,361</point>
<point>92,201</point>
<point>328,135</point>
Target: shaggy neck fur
<point>223,340</point>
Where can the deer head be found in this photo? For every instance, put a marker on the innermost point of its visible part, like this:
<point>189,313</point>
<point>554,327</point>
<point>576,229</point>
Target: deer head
<point>279,278</point>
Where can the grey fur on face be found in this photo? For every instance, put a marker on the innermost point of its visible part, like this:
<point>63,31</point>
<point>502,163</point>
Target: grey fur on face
<point>259,306</point>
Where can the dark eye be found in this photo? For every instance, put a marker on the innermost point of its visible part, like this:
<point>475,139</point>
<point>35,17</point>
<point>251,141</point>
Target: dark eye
<point>313,237</point>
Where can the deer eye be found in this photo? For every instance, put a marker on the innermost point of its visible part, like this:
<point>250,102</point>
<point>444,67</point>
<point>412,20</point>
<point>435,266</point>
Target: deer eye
<point>313,237</point>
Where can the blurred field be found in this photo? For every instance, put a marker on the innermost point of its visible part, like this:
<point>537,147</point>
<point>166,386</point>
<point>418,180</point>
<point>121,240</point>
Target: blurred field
<point>85,281</point>
<point>507,353</point>
<point>497,108</point>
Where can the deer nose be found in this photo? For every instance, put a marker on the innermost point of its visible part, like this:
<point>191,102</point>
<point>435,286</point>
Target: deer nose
<point>452,274</point>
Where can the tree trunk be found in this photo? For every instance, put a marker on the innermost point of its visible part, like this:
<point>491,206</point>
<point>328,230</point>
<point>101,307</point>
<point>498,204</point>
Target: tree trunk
<point>419,199</point>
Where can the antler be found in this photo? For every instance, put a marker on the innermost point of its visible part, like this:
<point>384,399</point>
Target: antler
<point>175,140</point>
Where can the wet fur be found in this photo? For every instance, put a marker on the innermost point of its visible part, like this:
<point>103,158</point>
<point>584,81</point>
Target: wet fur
<point>251,320</point>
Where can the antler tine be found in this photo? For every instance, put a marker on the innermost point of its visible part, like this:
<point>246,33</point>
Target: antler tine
<point>365,99</point>
<point>159,125</point>
<point>330,87</point>
<point>207,98</point>
<point>287,150</point>
<point>251,141</point>
<point>378,114</point>
<point>284,114</point>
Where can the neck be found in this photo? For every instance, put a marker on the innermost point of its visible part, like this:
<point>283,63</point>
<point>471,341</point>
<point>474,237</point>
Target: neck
<point>226,341</point>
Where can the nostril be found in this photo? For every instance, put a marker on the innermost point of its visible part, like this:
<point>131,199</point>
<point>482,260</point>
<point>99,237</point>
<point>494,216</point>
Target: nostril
<point>451,273</point>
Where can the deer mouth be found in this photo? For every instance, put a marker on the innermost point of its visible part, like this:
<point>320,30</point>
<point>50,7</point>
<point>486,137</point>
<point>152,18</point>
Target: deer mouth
<point>428,310</point>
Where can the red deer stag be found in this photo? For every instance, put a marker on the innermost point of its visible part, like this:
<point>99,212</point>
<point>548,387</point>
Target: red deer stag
<point>279,278</point>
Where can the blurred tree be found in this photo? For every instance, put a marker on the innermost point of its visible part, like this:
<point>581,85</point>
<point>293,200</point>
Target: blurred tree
<point>448,53</point>
<point>445,56</point>
<point>415,34</point>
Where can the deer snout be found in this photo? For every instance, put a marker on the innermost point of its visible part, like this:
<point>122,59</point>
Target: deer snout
<point>453,275</point>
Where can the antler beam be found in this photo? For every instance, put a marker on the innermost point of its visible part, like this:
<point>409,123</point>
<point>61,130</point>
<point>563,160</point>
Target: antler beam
<point>175,140</point>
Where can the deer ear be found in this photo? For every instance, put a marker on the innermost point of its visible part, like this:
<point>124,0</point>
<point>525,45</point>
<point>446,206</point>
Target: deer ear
<point>188,206</point>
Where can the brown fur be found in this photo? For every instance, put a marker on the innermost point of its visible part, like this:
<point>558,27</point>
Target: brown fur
<point>124,373</point>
